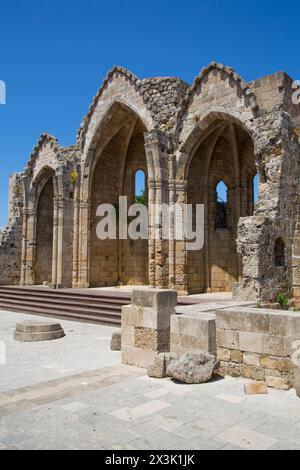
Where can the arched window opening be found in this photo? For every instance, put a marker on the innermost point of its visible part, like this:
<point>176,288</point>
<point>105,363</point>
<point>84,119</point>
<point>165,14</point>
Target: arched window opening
<point>279,254</point>
<point>221,216</point>
<point>252,193</point>
<point>255,188</point>
<point>140,187</point>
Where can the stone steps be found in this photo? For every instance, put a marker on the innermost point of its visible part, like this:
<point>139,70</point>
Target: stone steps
<point>104,308</point>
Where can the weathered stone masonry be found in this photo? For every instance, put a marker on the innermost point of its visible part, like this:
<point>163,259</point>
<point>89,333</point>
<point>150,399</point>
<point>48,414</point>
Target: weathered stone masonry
<point>186,139</point>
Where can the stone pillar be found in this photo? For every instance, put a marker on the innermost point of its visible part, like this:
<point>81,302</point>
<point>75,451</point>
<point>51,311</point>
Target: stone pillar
<point>156,146</point>
<point>151,242</point>
<point>181,278</point>
<point>75,272</point>
<point>84,244</point>
<point>172,242</point>
<point>255,245</point>
<point>55,242</point>
<point>28,246</point>
<point>146,325</point>
<point>296,267</point>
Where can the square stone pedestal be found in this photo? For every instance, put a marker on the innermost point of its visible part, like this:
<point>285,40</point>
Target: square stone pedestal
<point>146,325</point>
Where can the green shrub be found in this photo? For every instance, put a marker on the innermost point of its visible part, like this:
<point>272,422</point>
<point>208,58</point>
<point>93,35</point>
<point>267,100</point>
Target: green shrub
<point>282,300</point>
<point>74,177</point>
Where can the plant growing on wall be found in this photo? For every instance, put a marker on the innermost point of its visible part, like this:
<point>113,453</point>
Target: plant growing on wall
<point>282,300</point>
<point>74,177</point>
<point>140,199</point>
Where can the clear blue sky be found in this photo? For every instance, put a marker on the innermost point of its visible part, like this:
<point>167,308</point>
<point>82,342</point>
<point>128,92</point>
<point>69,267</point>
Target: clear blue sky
<point>55,53</point>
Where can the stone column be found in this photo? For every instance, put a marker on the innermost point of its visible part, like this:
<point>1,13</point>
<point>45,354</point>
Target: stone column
<point>172,242</point>
<point>55,242</point>
<point>146,325</point>
<point>151,241</point>
<point>75,272</point>
<point>84,244</point>
<point>296,267</point>
<point>28,246</point>
<point>156,146</point>
<point>181,281</point>
<point>62,242</point>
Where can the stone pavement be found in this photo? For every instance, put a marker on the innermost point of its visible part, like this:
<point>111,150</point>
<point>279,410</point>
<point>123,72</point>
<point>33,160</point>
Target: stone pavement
<point>73,393</point>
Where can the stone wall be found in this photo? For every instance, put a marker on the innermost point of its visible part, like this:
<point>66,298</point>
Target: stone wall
<point>258,344</point>
<point>11,236</point>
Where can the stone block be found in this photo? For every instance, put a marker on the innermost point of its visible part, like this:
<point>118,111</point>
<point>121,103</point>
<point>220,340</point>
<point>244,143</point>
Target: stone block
<point>250,342</point>
<point>273,345</point>
<point>296,364</point>
<point>234,369</point>
<point>281,364</point>
<point>257,373</point>
<point>280,325</point>
<point>127,333</point>
<point>220,337</point>
<point>257,322</point>
<point>146,325</point>
<point>159,367</point>
<point>132,315</point>
<point>251,359</point>
<point>295,325</point>
<point>151,319</point>
<point>231,339</point>
<point>192,333</point>
<point>149,339</point>
<point>223,354</point>
<point>272,373</point>
<point>137,357</point>
<point>154,298</point>
<point>115,343</point>
<point>223,368</point>
<point>255,388</point>
<point>280,383</point>
<point>223,319</point>
<point>236,355</point>
<point>237,320</point>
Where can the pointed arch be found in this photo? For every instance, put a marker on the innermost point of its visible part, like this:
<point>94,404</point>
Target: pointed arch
<point>219,152</point>
<point>118,84</point>
<point>221,197</point>
<point>117,152</point>
<point>46,191</point>
<point>210,122</point>
<point>235,94</point>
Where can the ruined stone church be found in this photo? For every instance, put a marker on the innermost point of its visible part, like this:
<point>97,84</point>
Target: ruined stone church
<point>187,140</point>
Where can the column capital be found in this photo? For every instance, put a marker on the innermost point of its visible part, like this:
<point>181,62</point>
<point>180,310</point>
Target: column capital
<point>29,212</point>
<point>84,204</point>
<point>156,137</point>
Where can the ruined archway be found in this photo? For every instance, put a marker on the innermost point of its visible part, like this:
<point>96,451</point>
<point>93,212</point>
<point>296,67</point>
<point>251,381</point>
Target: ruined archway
<point>223,158</point>
<point>44,228</point>
<point>115,163</point>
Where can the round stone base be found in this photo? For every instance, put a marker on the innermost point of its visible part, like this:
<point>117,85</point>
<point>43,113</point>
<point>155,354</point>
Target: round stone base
<point>31,330</point>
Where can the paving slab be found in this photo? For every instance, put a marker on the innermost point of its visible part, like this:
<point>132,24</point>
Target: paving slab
<point>79,396</point>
